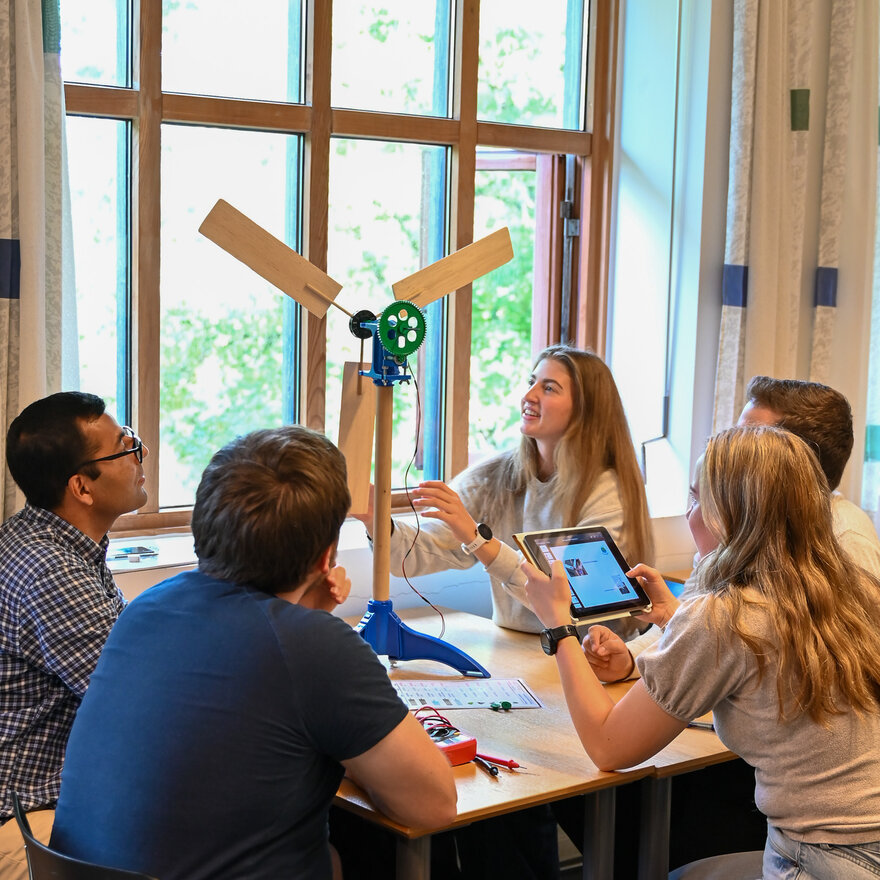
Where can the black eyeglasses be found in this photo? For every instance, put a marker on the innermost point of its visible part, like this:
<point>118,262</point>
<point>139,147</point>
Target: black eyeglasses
<point>136,449</point>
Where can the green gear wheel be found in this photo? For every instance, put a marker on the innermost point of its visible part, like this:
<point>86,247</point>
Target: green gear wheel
<point>401,328</point>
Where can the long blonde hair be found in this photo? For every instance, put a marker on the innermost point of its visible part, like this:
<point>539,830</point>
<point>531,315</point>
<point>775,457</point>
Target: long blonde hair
<point>766,499</point>
<point>597,439</point>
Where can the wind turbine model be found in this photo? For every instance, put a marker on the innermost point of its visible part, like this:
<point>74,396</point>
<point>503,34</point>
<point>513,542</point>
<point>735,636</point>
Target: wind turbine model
<point>397,331</point>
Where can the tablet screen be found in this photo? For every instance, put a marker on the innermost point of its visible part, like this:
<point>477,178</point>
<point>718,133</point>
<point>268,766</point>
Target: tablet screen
<point>596,570</point>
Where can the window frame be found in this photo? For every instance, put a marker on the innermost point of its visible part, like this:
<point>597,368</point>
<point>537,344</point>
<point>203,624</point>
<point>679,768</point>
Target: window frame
<point>146,107</point>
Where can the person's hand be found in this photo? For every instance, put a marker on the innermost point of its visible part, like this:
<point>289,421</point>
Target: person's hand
<point>663,602</point>
<point>550,597</point>
<point>608,654</point>
<point>366,517</point>
<point>435,500</point>
<point>327,590</point>
<point>339,585</point>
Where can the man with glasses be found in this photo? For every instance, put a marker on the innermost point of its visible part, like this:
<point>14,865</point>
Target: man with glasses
<point>79,470</point>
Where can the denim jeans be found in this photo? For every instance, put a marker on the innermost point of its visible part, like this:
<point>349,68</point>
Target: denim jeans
<point>787,859</point>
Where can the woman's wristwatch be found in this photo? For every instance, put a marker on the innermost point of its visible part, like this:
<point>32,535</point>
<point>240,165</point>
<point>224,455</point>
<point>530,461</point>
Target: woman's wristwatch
<point>551,637</point>
<point>482,535</point>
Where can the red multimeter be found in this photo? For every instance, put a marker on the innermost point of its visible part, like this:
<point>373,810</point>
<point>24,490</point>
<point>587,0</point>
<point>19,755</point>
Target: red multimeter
<point>458,747</point>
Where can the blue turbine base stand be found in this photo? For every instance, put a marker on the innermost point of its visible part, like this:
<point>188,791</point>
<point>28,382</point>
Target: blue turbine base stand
<point>388,635</point>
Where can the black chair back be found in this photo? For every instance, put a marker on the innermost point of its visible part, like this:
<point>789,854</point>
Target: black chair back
<point>47,864</point>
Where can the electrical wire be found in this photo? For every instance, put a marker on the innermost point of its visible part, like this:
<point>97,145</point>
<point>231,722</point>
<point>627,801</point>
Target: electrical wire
<point>437,726</point>
<point>412,506</point>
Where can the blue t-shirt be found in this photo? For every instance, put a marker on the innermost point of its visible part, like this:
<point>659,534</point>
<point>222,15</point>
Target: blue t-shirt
<point>208,743</point>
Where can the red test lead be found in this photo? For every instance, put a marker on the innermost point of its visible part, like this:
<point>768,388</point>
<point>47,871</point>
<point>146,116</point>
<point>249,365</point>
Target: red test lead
<point>502,762</point>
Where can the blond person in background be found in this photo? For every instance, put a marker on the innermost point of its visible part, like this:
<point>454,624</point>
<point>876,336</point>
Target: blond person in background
<point>822,417</point>
<point>575,465</point>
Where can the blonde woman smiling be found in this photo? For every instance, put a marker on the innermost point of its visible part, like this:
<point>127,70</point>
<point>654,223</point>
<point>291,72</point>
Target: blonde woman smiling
<point>575,465</point>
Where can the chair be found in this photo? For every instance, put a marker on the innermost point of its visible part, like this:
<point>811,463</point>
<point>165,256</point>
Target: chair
<point>675,585</point>
<point>47,864</point>
<point>733,866</point>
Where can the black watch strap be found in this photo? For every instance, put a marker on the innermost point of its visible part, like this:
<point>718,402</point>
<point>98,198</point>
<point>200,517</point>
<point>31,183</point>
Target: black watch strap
<point>550,638</point>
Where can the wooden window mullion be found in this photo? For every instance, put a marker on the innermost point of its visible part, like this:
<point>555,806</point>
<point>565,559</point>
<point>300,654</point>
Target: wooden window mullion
<point>146,202</point>
<point>591,308</point>
<point>319,42</point>
<point>458,357</point>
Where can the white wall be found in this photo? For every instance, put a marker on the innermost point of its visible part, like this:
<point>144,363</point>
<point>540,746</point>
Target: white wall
<point>669,214</point>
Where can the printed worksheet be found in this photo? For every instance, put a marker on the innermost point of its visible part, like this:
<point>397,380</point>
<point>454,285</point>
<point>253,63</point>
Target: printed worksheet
<point>470,693</point>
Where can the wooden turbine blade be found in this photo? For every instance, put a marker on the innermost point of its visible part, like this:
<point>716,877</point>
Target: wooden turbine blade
<point>270,258</point>
<point>357,415</point>
<point>456,270</point>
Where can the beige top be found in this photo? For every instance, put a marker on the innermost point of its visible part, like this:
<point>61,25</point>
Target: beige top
<point>856,534</point>
<point>819,784</point>
<point>853,530</point>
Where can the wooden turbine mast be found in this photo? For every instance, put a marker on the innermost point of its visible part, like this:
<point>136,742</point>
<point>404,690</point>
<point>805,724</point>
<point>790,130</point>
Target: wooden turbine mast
<point>396,332</point>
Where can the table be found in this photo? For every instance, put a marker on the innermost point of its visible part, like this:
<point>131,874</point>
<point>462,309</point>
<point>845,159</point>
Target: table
<point>544,741</point>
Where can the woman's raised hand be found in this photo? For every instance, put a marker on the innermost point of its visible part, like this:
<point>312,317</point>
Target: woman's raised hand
<point>663,602</point>
<point>435,500</point>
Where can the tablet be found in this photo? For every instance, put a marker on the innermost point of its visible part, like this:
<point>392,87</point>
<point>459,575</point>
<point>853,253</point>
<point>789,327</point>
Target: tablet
<point>600,589</point>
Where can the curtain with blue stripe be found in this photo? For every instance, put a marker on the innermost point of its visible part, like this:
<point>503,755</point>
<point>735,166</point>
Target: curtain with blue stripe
<point>729,378</point>
<point>767,192</point>
<point>787,191</point>
<point>32,179</point>
<point>837,109</point>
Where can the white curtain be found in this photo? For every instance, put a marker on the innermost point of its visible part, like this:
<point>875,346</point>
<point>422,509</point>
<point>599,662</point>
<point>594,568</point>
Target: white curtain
<point>871,480</point>
<point>31,186</point>
<point>803,152</point>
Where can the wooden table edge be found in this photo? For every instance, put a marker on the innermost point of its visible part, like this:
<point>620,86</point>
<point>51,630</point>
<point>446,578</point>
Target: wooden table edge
<point>363,807</point>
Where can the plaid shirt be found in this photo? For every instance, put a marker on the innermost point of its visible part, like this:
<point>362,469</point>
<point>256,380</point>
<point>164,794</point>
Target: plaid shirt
<point>58,602</point>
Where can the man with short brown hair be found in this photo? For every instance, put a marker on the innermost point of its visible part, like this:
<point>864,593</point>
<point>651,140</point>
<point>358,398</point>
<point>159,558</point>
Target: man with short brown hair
<point>822,417</point>
<point>228,703</point>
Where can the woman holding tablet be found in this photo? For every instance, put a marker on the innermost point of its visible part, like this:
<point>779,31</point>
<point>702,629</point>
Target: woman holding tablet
<point>780,639</point>
<point>575,466</point>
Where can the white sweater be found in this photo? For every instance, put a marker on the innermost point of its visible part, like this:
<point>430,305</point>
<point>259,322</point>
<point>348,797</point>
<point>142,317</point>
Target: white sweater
<point>436,548</point>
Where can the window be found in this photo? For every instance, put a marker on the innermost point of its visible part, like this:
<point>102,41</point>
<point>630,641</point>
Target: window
<point>658,243</point>
<point>387,219</point>
<point>98,158</point>
<point>226,361</point>
<point>550,46</point>
<point>501,327</point>
<point>369,176</point>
